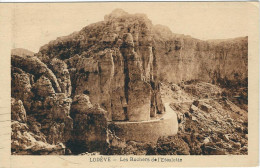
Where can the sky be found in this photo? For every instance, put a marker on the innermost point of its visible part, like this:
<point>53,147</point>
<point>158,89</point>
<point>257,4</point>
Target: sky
<point>36,24</point>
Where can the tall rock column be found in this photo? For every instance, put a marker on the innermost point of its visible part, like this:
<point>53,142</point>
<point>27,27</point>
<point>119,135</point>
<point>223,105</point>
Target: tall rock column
<point>106,70</point>
<point>137,90</point>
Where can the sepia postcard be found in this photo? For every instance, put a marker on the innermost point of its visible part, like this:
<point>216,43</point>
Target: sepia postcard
<point>129,84</point>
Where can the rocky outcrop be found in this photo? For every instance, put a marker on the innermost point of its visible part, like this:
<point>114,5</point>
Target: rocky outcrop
<point>24,142</point>
<point>113,62</point>
<point>123,54</point>
<point>113,71</point>
<point>138,89</point>
<point>43,87</point>
<point>21,86</point>
<point>26,135</point>
<point>56,121</point>
<point>59,68</point>
<point>90,126</point>
<point>40,114</point>
<point>187,58</point>
<point>33,65</point>
<point>183,59</point>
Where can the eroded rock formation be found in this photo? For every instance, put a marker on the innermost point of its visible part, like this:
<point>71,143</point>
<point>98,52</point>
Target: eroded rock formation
<point>65,95</point>
<point>90,131</point>
<point>194,59</point>
<point>40,114</point>
<point>113,63</point>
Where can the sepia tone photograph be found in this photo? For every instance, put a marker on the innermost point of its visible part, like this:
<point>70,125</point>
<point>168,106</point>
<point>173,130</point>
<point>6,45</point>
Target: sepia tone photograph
<point>136,82</point>
<point>123,85</point>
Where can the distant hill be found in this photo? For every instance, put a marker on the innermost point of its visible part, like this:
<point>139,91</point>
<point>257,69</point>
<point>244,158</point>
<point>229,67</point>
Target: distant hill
<point>22,52</point>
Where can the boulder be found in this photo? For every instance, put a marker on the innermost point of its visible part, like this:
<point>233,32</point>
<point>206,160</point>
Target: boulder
<point>211,149</point>
<point>193,108</point>
<point>205,107</point>
<point>81,104</point>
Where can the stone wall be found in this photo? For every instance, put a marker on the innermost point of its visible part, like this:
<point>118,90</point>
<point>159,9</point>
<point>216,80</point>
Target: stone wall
<point>147,131</point>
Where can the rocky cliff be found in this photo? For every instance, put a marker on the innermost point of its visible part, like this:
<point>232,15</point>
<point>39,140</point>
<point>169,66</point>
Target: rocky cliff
<point>158,53</point>
<point>45,119</point>
<point>64,95</point>
<point>39,108</point>
<point>114,63</point>
<point>183,58</point>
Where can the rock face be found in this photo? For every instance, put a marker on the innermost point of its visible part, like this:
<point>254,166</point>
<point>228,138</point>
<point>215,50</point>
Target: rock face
<point>40,114</point>
<point>182,58</point>
<point>26,142</point>
<point>113,62</point>
<point>188,58</point>
<point>18,111</point>
<point>125,54</point>
<point>26,135</point>
<point>90,126</point>
<point>33,65</point>
<point>64,96</point>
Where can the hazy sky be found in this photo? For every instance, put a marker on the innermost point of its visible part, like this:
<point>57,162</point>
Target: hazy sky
<point>36,24</point>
